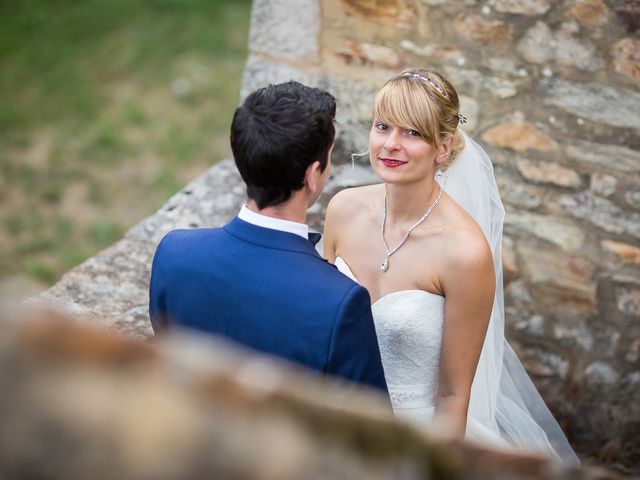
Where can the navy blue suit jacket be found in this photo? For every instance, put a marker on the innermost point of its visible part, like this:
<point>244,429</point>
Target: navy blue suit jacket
<point>269,290</point>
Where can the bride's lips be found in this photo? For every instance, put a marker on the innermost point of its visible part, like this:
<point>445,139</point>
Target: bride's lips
<point>392,162</point>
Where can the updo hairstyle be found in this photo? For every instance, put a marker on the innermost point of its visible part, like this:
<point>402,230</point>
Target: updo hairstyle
<point>425,101</point>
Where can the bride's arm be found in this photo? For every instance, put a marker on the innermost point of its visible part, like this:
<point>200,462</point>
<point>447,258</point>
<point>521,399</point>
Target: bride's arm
<point>333,224</point>
<point>468,282</point>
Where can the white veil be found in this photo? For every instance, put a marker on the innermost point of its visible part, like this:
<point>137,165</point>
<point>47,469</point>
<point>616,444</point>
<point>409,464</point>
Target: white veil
<point>503,397</point>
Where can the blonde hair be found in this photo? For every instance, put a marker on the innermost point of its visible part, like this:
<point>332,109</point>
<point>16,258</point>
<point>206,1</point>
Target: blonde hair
<point>425,101</point>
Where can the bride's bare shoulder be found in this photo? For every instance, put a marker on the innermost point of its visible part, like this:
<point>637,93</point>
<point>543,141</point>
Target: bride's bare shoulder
<point>353,201</point>
<point>466,247</point>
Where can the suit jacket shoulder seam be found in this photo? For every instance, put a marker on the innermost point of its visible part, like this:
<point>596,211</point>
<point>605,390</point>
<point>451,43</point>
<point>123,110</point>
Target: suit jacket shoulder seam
<point>281,249</point>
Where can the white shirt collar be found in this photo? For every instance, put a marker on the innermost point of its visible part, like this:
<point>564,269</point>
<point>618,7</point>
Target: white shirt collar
<point>254,218</point>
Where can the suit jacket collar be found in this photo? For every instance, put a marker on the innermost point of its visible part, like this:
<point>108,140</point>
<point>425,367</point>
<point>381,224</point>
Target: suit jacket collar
<point>269,237</point>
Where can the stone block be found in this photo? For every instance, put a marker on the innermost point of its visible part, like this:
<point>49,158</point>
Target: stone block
<point>369,54</point>
<point>617,158</point>
<point>588,12</point>
<point>558,231</point>
<point>626,58</point>
<point>400,13</point>
<point>573,51</point>
<point>606,340</point>
<point>602,213</point>
<point>517,193</point>
<point>541,363</point>
<point>628,301</point>
<point>507,66</point>
<point>278,30</point>
<point>633,198</point>
<point>559,281</point>
<point>573,335</point>
<point>480,29</point>
<point>501,87</point>
<point>532,325</point>
<point>521,7</point>
<point>536,45</point>
<point>540,45</point>
<point>623,251</point>
<point>633,378</point>
<point>633,354</point>
<point>477,83</point>
<point>600,374</point>
<point>596,102</point>
<point>603,184</point>
<point>519,136</point>
<point>549,172</point>
<point>629,14</point>
<point>518,293</point>
<point>445,54</point>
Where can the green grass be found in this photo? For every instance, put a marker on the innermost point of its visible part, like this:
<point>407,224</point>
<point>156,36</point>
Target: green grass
<point>106,109</point>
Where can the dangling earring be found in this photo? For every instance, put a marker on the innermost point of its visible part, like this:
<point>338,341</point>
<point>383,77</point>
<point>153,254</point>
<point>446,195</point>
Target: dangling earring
<point>439,176</point>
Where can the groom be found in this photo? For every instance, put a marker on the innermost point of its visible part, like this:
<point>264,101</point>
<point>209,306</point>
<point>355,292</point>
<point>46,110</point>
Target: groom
<point>259,280</point>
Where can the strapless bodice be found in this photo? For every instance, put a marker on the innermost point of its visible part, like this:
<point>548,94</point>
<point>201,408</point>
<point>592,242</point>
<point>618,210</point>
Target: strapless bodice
<point>409,325</point>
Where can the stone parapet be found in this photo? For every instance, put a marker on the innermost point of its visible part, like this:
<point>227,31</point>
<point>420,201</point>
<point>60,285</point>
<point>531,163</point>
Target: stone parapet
<point>81,403</point>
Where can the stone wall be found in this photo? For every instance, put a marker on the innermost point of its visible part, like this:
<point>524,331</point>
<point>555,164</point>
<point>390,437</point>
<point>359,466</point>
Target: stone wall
<point>551,90</point>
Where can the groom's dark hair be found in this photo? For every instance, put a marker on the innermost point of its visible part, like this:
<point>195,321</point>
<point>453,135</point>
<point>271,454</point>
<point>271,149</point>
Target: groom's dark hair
<point>276,133</point>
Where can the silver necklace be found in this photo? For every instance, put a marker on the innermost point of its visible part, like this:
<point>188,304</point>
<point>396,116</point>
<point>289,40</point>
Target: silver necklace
<point>384,265</point>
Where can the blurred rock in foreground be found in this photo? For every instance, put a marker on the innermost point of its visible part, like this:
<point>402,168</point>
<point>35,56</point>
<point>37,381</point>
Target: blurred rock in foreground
<point>81,403</point>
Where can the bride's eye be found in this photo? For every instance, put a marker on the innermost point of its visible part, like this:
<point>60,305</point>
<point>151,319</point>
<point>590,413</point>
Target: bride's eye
<point>414,133</point>
<point>381,126</point>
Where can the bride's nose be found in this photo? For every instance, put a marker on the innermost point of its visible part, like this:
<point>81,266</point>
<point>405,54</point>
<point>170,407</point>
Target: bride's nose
<point>392,142</point>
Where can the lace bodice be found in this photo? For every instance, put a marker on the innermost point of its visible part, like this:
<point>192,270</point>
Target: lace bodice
<point>409,325</point>
<point>409,328</point>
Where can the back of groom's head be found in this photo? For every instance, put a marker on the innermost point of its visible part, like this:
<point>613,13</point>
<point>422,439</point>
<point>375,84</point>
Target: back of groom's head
<point>276,133</point>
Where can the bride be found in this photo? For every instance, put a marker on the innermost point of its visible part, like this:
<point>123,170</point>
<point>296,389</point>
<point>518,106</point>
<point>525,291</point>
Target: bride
<point>426,243</point>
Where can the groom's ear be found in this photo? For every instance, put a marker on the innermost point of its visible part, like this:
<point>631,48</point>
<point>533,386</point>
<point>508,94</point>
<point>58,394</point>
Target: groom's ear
<point>312,177</point>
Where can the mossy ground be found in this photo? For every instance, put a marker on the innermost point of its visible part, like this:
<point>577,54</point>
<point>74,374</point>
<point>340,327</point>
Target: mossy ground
<point>106,109</point>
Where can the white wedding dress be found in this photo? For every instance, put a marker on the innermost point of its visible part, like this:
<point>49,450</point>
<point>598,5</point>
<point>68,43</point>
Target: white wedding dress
<point>409,326</point>
<point>505,409</point>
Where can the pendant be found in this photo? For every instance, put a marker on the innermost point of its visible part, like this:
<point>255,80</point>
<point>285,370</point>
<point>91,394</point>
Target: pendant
<point>384,266</point>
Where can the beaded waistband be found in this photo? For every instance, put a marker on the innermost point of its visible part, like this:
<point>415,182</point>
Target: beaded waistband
<point>412,396</point>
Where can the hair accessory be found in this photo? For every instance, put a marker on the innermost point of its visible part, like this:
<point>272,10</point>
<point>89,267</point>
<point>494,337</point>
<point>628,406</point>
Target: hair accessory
<point>462,118</point>
<point>426,79</point>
